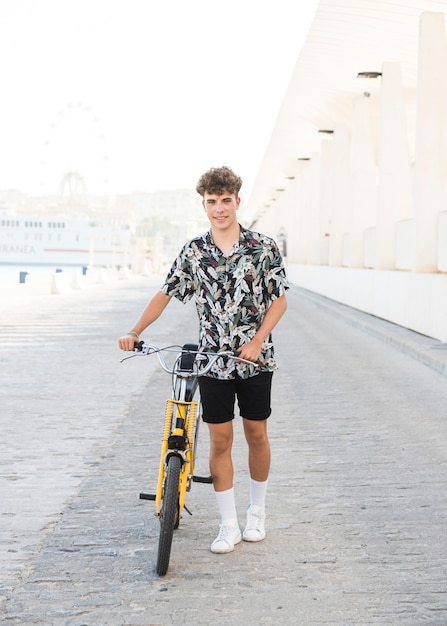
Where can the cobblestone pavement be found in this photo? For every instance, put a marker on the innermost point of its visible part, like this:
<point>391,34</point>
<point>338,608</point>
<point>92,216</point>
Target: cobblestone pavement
<point>356,505</point>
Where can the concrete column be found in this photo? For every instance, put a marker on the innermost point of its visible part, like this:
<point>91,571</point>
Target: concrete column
<point>431,139</point>
<point>340,192</point>
<point>300,254</point>
<point>314,210</point>
<point>292,219</point>
<point>326,200</point>
<point>280,226</point>
<point>395,199</point>
<point>362,167</point>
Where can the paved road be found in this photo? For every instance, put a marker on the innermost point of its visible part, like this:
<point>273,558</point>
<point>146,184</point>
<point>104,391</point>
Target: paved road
<point>356,506</point>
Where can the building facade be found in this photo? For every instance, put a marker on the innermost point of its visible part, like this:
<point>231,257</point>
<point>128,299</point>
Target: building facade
<point>354,181</point>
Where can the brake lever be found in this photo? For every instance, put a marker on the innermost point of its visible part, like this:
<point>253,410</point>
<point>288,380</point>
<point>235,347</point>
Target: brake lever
<point>138,351</point>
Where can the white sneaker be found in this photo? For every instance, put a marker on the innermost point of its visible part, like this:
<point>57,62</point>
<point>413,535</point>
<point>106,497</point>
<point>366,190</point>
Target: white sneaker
<point>254,530</point>
<point>227,538</point>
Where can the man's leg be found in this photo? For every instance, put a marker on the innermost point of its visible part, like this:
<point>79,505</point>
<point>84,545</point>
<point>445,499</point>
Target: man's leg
<point>259,466</point>
<point>221,464</point>
<point>258,449</point>
<point>221,468</point>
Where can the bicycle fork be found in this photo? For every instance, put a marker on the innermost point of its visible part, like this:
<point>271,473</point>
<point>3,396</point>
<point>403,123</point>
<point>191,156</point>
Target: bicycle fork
<point>177,438</point>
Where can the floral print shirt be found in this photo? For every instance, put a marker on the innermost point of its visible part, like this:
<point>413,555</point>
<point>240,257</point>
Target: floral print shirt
<point>232,295</point>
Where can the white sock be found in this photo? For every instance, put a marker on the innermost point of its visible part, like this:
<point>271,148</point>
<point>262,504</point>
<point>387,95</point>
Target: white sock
<point>227,506</point>
<point>258,491</point>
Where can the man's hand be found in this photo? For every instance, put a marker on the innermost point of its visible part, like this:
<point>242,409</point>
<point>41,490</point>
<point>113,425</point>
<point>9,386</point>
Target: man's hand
<point>250,351</point>
<point>127,342</point>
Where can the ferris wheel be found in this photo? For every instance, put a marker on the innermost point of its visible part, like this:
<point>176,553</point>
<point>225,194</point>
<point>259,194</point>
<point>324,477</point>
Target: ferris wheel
<point>75,153</point>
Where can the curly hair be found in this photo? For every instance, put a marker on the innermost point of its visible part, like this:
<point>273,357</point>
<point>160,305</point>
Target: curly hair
<point>218,180</point>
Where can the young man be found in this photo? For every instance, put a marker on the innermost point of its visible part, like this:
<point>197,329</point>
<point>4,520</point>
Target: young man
<point>238,280</point>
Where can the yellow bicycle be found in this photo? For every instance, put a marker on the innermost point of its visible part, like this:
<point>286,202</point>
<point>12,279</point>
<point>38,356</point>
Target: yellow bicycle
<point>181,424</point>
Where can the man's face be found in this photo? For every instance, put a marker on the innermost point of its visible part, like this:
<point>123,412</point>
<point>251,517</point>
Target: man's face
<point>221,209</point>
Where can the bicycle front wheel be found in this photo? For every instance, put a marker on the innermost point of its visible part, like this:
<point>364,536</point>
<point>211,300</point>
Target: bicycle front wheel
<point>169,513</point>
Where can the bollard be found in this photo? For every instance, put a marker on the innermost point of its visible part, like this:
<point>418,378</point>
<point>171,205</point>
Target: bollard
<point>77,281</point>
<point>59,283</point>
<point>22,277</point>
<point>103,276</point>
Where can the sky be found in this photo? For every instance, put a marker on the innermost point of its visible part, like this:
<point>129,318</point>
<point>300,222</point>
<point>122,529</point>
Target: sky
<point>142,95</point>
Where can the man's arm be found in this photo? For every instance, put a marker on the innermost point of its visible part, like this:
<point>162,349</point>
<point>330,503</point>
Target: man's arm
<point>153,310</point>
<point>252,350</point>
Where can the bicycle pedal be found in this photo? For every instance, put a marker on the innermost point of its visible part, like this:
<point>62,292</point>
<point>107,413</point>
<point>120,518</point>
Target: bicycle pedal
<point>203,479</point>
<point>147,496</point>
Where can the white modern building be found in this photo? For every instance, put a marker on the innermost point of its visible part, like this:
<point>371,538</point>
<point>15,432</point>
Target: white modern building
<point>354,180</point>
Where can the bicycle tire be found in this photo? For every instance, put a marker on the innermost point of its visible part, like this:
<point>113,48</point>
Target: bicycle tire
<point>168,513</point>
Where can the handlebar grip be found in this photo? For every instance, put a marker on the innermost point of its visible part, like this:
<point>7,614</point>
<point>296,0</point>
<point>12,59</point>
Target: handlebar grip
<point>138,345</point>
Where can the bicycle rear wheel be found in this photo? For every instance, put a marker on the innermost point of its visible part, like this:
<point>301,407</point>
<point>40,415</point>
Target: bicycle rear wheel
<point>168,513</point>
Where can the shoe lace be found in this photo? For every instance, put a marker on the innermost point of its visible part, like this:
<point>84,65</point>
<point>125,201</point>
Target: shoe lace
<point>254,520</point>
<point>225,533</point>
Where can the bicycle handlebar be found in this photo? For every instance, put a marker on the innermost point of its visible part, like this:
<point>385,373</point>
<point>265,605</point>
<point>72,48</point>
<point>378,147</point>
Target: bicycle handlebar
<point>145,349</point>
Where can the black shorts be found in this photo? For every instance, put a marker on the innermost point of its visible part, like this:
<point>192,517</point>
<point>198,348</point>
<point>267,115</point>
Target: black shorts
<point>253,397</point>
